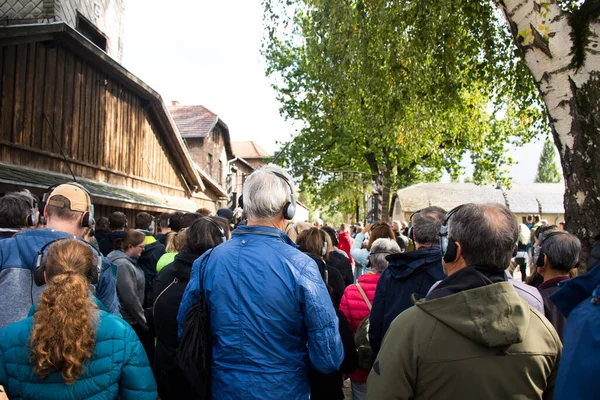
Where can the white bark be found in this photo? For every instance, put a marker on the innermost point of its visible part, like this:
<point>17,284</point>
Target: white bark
<point>553,74</point>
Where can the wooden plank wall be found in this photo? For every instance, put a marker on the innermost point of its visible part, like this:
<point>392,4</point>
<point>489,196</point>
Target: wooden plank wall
<point>103,129</point>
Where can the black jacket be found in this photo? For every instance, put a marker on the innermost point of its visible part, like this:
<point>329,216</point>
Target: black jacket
<point>341,262</point>
<point>329,386</point>
<point>407,274</point>
<point>147,262</point>
<point>169,287</point>
<point>332,277</point>
<point>162,238</point>
<point>109,242</point>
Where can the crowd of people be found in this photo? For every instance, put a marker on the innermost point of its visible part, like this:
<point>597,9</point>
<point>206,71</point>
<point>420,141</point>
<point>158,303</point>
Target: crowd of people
<point>262,307</point>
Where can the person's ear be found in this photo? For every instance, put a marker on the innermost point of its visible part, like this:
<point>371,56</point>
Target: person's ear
<point>458,251</point>
<point>546,262</point>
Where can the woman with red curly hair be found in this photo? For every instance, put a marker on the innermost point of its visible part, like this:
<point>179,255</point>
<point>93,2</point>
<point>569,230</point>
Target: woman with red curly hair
<point>70,347</point>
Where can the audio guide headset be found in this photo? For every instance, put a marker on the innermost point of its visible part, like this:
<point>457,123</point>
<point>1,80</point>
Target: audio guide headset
<point>411,231</point>
<point>448,247</point>
<point>540,260</point>
<point>219,227</point>
<point>40,264</point>
<point>87,219</point>
<point>32,218</point>
<point>324,250</point>
<point>289,208</point>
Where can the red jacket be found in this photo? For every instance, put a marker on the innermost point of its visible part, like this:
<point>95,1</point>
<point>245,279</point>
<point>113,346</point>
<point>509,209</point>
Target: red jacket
<point>345,244</point>
<point>355,309</point>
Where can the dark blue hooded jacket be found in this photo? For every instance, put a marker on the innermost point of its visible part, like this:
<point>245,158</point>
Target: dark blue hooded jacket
<point>17,290</point>
<point>407,274</point>
<point>579,300</point>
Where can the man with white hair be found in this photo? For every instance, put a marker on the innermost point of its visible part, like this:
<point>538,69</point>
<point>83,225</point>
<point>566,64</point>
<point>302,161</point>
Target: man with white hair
<point>270,311</point>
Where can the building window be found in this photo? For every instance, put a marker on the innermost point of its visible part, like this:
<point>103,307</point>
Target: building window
<point>209,166</point>
<point>220,172</point>
<point>91,32</point>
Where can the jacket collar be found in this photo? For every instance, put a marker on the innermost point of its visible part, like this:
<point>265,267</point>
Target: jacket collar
<point>404,264</point>
<point>98,303</point>
<point>264,230</point>
<point>182,267</point>
<point>574,291</point>
<point>552,282</point>
<point>465,279</point>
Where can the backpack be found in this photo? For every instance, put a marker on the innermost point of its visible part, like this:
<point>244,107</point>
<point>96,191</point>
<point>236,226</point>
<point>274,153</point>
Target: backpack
<point>366,355</point>
<point>194,354</point>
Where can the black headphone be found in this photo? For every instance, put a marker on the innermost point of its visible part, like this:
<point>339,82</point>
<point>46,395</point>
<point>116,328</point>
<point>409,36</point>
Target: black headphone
<point>289,208</point>
<point>540,260</point>
<point>219,227</point>
<point>411,231</point>
<point>448,247</point>
<point>40,265</point>
<point>87,220</point>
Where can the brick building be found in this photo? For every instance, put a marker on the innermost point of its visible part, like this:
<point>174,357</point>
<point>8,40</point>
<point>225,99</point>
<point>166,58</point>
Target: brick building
<point>251,152</point>
<point>208,142</point>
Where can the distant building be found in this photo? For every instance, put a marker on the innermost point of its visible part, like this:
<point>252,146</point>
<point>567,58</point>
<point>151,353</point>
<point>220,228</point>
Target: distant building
<point>209,145</point>
<point>69,110</point>
<point>100,21</point>
<point>251,152</point>
<point>545,199</point>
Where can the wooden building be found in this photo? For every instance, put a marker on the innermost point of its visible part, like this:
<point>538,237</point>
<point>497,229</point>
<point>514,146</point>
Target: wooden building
<point>100,21</point>
<point>208,142</point>
<point>68,109</point>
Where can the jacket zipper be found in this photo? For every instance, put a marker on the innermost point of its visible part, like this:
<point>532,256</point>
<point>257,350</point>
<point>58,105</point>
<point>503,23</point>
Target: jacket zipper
<point>161,293</point>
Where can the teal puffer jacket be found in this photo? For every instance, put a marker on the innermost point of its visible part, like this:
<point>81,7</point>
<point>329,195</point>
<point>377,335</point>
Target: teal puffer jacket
<point>118,369</point>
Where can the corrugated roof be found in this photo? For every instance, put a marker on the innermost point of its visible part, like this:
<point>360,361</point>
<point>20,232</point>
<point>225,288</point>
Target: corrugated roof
<point>248,150</point>
<point>28,177</point>
<point>522,199</point>
<point>193,121</point>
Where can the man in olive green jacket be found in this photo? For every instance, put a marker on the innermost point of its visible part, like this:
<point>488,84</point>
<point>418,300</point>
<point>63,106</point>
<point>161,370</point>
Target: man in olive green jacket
<point>473,337</point>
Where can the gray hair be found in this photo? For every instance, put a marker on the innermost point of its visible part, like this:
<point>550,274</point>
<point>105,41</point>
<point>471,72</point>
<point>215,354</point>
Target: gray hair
<point>265,193</point>
<point>487,234</point>
<point>562,249</point>
<point>426,225</point>
<point>380,249</point>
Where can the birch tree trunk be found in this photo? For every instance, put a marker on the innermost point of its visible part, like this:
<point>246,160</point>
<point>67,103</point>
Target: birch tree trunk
<point>546,37</point>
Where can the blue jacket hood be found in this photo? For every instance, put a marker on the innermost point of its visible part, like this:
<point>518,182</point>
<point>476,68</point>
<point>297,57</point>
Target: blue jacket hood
<point>30,242</point>
<point>574,291</point>
<point>403,265</point>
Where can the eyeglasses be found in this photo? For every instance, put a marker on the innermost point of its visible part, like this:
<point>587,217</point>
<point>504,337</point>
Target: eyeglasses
<point>141,246</point>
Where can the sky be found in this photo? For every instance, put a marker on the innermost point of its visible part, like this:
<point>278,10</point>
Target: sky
<point>208,53</point>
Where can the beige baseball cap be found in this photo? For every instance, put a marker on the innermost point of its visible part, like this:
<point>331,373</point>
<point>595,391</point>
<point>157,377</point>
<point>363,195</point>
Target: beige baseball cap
<point>79,198</point>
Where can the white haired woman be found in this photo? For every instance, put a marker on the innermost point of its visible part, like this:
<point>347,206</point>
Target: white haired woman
<point>354,306</point>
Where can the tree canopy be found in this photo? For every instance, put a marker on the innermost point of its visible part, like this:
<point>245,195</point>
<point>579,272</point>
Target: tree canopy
<point>547,171</point>
<point>397,89</point>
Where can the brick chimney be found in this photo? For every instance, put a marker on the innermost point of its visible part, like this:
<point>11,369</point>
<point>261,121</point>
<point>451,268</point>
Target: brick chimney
<point>174,103</point>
